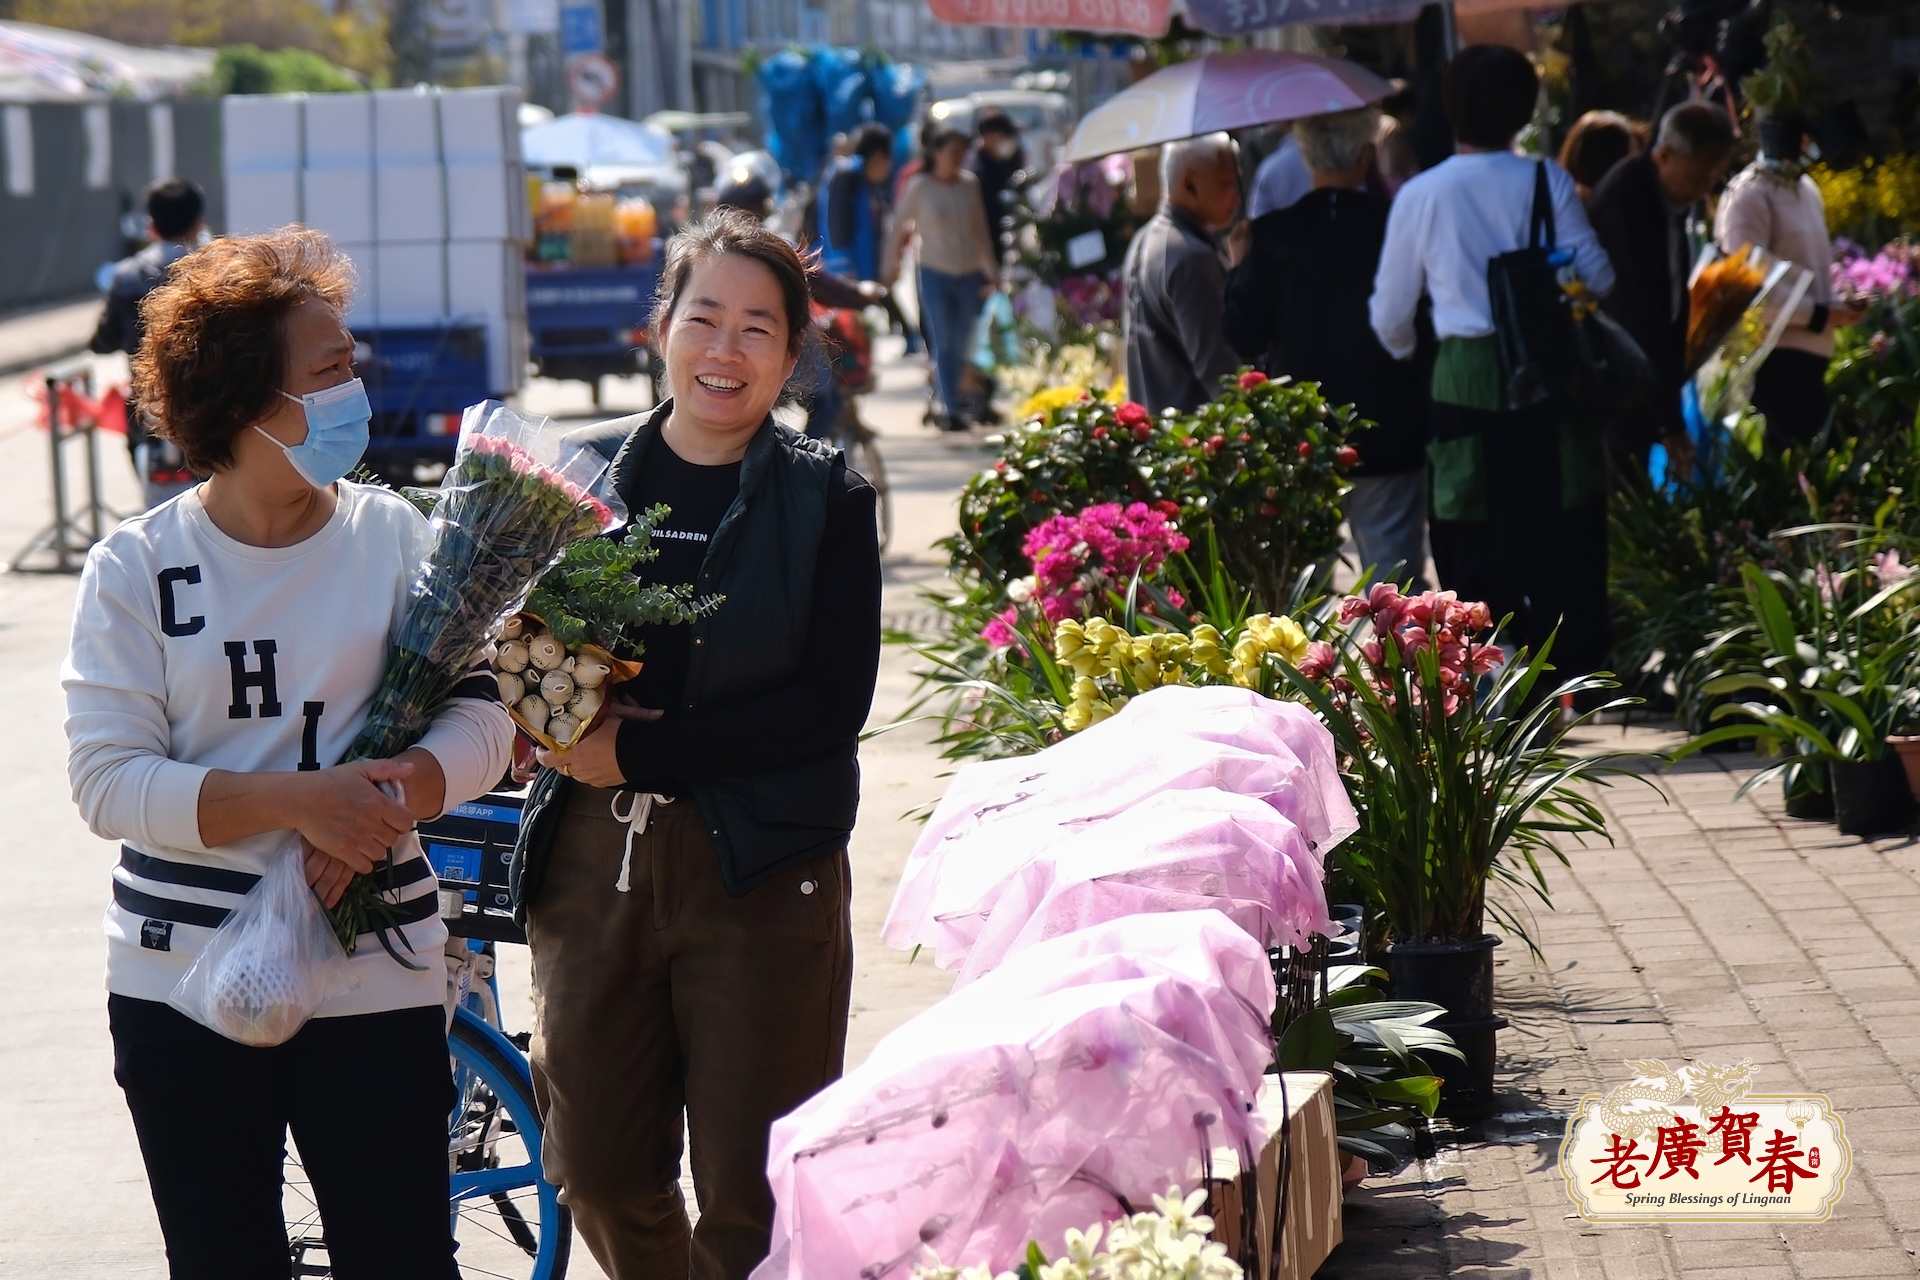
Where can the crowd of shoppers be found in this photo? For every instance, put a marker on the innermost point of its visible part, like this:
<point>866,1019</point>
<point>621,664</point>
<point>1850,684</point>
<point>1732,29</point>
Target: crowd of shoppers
<point>1374,283</point>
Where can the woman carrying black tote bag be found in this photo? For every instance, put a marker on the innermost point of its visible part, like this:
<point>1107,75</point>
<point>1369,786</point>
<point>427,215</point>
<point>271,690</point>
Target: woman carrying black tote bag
<point>1518,515</point>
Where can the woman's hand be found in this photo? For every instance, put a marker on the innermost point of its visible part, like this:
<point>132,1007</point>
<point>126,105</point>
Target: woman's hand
<point>346,816</point>
<point>593,759</point>
<point>328,877</point>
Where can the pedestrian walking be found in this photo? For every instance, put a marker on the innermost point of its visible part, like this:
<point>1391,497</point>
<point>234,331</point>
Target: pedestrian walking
<point>1297,306</point>
<point>1772,204</point>
<point>1639,212</point>
<point>225,646</point>
<point>176,222</point>
<point>855,212</point>
<point>959,266</point>
<point>1176,276</point>
<point>1517,513</point>
<point>997,158</point>
<point>683,870</point>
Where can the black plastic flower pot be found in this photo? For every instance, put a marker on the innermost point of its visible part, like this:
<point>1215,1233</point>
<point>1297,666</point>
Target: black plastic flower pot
<point>1457,976</point>
<point>1782,134</point>
<point>1871,797</point>
<point>1466,1088</point>
<point>1804,798</point>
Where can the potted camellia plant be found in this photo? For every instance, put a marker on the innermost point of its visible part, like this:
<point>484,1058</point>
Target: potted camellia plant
<point>1832,673</point>
<point>1456,758</point>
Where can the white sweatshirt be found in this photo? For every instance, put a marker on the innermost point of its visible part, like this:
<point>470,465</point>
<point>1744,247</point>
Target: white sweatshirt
<point>193,652</point>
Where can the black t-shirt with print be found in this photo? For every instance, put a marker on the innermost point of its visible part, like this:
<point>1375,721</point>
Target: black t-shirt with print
<point>699,497</point>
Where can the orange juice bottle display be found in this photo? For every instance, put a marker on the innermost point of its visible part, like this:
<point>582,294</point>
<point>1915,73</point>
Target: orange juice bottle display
<point>553,221</point>
<point>635,224</point>
<point>593,230</point>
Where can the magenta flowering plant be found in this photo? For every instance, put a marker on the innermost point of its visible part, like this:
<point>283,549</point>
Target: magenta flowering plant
<point>1875,375</point>
<point>1080,561</point>
<point>1455,756</point>
<point>516,497</point>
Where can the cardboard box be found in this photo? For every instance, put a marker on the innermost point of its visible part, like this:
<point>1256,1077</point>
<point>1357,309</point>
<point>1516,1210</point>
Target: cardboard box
<point>409,203</point>
<point>1300,1118</point>
<point>259,132</point>
<point>338,128</point>
<point>262,201</point>
<point>480,200</point>
<point>480,126</point>
<point>339,202</point>
<point>406,128</point>
<point>410,283</point>
<point>486,284</point>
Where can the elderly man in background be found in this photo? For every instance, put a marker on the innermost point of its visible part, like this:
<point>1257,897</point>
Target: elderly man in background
<point>1298,306</point>
<point>1176,276</point>
<point>1639,212</point>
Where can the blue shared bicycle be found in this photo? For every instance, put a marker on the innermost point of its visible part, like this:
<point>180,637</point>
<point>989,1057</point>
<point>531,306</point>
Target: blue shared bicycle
<point>509,1221</point>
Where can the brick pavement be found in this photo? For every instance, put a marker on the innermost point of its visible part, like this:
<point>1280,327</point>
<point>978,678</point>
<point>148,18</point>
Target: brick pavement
<point>1714,928</point>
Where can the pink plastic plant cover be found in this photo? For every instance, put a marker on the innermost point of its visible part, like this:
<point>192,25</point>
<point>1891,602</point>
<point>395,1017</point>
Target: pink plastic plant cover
<point>1100,1062</point>
<point>998,815</point>
<point>1174,851</point>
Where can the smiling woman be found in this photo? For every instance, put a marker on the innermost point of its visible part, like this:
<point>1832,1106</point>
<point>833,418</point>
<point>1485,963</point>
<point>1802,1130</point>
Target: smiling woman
<point>683,870</point>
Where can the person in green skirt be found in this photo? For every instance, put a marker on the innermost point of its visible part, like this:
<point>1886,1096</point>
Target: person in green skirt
<point>1517,497</point>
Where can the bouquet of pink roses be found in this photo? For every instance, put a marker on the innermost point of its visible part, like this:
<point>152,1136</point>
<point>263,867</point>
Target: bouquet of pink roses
<point>518,494</point>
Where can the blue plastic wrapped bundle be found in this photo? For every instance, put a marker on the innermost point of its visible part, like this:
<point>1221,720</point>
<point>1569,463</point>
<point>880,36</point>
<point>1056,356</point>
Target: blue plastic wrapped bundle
<point>842,80</point>
<point>795,112</point>
<point>896,88</point>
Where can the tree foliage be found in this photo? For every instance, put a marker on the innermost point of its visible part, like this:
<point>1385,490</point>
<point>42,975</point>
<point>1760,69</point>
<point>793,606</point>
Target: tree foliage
<point>351,36</point>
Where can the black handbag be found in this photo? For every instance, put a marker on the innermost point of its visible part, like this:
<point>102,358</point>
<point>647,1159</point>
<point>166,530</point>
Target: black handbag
<point>1554,343</point>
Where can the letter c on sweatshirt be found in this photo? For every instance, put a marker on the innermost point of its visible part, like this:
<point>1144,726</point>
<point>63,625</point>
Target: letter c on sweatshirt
<point>169,613</point>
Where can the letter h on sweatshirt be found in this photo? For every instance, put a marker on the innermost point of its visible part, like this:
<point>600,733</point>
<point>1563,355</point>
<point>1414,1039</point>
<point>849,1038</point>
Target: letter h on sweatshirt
<point>264,679</point>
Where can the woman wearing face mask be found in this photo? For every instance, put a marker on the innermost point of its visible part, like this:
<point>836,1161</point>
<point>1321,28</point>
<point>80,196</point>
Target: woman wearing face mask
<point>225,648</point>
<point>683,871</point>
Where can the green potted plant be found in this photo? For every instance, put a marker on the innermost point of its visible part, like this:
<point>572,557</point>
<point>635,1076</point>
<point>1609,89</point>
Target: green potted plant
<point>1456,758</point>
<point>1780,93</point>
<point>1834,664</point>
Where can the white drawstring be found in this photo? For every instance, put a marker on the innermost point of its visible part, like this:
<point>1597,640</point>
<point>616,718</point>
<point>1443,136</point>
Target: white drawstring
<point>639,810</point>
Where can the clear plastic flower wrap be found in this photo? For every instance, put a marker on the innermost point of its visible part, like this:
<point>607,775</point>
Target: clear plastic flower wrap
<point>518,493</point>
<point>271,964</point>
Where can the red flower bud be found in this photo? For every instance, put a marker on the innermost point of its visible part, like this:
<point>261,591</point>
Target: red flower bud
<point>1251,379</point>
<point>1099,433</point>
<point>1245,438</point>
<point>1167,507</point>
<point>1346,455</point>
<point>1130,414</point>
<point>1269,510</point>
<point>1001,467</point>
<point>1214,444</point>
<point>1142,431</point>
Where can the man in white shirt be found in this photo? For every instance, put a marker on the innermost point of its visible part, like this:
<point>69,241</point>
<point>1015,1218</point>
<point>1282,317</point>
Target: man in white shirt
<point>1517,514</point>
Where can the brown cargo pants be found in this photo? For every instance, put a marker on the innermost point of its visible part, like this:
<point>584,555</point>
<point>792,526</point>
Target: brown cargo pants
<point>668,999</point>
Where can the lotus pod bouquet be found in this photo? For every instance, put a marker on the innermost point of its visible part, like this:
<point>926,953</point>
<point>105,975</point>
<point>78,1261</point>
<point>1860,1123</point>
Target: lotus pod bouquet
<point>517,496</point>
<point>559,661</point>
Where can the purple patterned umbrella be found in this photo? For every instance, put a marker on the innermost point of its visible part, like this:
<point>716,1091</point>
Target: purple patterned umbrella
<point>1223,91</point>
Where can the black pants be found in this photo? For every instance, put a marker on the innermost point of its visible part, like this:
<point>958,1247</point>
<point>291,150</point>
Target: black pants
<point>1518,539</point>
<point>367,1099</point>
<point>1791,390</point>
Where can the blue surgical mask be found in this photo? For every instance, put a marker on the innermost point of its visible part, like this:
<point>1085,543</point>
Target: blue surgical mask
<point>337,424</point>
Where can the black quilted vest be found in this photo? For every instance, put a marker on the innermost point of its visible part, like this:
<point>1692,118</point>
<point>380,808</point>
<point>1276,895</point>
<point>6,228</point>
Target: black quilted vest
<point>762,560</point>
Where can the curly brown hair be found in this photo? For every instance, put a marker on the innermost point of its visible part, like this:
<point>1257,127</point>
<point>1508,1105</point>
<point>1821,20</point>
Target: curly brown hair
<point>214,353</point>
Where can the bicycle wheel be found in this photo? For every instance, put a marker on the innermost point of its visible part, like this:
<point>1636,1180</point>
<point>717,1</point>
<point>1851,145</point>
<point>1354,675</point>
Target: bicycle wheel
<point>862,448</point>
<point>508,1222</point>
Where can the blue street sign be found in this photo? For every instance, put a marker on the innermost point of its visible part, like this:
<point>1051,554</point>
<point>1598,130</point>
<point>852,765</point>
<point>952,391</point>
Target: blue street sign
<point>580,29</point>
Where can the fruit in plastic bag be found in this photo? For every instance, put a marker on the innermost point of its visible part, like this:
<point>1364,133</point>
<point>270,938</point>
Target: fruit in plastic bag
<point>271,964</point>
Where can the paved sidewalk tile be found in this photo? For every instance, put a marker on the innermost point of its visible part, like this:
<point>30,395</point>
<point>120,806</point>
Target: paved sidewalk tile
<point>1715,928</point>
